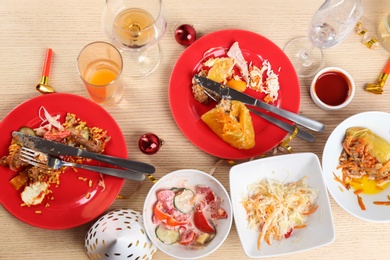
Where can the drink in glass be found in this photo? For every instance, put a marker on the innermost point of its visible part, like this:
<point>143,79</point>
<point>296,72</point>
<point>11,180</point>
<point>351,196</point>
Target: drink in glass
<point>384,32</point>
<point>135,28</point>
<point>99,65</point>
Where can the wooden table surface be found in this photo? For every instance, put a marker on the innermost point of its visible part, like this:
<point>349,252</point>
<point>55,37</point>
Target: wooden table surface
<point>29,27</point>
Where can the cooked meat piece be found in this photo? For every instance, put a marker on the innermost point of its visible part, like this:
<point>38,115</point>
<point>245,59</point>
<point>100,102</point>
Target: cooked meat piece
<point>197,90</point>
<point>88,144</point>
<point>199,94</point>
<point>34,173</point>
<point>12,160</point>
<point>4,161</point>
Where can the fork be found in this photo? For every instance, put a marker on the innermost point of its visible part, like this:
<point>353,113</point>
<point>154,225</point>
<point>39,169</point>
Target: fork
<point>47,161</point>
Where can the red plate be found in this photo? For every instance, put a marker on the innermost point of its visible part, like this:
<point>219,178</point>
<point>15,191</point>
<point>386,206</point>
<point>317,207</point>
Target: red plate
<point>187,111</point>
<point>70,207</point>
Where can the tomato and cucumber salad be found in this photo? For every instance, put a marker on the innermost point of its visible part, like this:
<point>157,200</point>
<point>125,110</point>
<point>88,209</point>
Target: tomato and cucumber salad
<point>187,216</point>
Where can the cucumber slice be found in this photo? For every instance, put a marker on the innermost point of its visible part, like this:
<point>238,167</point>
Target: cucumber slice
<point>184,200</point>
<point>27,130</point>
<point>167,236</point>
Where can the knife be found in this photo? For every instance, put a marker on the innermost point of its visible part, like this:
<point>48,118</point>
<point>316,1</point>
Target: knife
<point>285,126</point>
<point>279,123</point>
<point>225,91</point>
<point>55,148</point>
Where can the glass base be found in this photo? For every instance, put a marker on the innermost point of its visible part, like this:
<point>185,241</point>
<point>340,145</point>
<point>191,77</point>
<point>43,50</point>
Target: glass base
<point>305,57</point>
<point>140,64</point>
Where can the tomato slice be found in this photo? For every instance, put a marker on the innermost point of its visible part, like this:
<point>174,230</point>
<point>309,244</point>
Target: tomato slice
<point>56,135</point>
<point>201,222</point>
<point>166,218</point>
<point>288,234</point>
<point>219,213</point>
<point>187,237</point>
<point>207,192</point>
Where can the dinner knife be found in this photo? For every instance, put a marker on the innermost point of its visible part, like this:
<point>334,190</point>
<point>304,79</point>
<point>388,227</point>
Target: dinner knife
<point>225,91</point>
<point>281,124</point>
<point>55,148</point>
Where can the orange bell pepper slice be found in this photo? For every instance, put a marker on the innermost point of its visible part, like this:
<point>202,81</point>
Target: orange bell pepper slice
<point>164,217</point>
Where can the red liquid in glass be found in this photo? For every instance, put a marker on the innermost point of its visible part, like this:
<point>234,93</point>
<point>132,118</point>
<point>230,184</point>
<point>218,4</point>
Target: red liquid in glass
<point>332,88</point>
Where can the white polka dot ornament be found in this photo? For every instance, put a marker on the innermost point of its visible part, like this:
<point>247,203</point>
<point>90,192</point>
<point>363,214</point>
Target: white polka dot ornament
<point>119,234</point>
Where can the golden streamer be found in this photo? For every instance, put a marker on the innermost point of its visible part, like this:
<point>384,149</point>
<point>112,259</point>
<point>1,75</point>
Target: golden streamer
<point>150,177</point>
<point>370,43</point>
<point>284,145</point>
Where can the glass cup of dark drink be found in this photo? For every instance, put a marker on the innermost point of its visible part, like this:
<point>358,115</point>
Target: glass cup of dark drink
<point>332,88</point>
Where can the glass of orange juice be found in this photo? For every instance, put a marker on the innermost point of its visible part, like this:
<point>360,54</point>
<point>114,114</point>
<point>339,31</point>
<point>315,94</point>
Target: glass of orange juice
<point>100,65</point>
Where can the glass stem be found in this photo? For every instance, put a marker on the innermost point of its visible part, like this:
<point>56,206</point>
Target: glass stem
<point>305,56</point>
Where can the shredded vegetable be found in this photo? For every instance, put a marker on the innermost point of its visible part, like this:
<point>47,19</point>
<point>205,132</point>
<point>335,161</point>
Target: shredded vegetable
<point>34,183</point>
<point>48,122</point>
<point>276,209</point>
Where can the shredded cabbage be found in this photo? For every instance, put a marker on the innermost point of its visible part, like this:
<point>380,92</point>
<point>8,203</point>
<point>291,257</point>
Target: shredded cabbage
<point>48,122</point>
<point>236,54</point>
<point>277,208</point>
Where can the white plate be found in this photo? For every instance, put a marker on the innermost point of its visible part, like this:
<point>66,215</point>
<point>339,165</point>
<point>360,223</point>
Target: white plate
<point>377,122</point>
<point>188,178</point>
<point>284,168</point>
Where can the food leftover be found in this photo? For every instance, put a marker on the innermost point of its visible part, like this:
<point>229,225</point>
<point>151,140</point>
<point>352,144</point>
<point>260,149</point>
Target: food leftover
<point>231,121</point>
<point>364,162</point>
<point>276,209</point>
<point>33,182</point>
<point>187,216</point>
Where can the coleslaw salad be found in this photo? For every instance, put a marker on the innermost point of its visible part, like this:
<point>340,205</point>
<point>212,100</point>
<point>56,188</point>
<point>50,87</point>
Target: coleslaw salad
<point>277,208</point>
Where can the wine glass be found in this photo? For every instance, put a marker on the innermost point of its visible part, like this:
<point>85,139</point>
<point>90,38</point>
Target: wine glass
<point>135,27</point>
<point>330,25</point>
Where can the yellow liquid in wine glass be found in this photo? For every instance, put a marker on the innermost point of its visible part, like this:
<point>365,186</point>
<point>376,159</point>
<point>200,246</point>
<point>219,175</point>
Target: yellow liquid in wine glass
<point>133,27</point>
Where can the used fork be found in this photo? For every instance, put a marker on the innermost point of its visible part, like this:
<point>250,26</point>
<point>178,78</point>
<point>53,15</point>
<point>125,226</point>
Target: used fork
<point>47,161</point>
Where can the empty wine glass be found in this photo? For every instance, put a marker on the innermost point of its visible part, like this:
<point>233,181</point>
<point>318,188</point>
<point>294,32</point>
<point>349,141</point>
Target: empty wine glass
<point>330,25</point>
<point>135,27</point>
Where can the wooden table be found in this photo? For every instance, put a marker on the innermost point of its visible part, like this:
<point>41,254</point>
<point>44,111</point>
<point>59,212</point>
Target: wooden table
<point>29,27</point>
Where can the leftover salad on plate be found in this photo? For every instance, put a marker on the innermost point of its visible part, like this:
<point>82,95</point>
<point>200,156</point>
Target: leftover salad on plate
<point>187,216</point>
<point>231,120</point>
<point>34,183</point>
<point>276,209</point>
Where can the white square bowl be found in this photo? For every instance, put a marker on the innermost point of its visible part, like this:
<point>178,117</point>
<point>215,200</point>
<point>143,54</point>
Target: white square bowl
<point>284,168</point>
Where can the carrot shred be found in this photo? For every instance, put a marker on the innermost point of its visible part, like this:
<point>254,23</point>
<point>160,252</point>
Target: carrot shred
<point>384,203</point>
<point>339,180</point>
<point>301,226</point>
<point>360,201</point>
<point>311,211</point>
